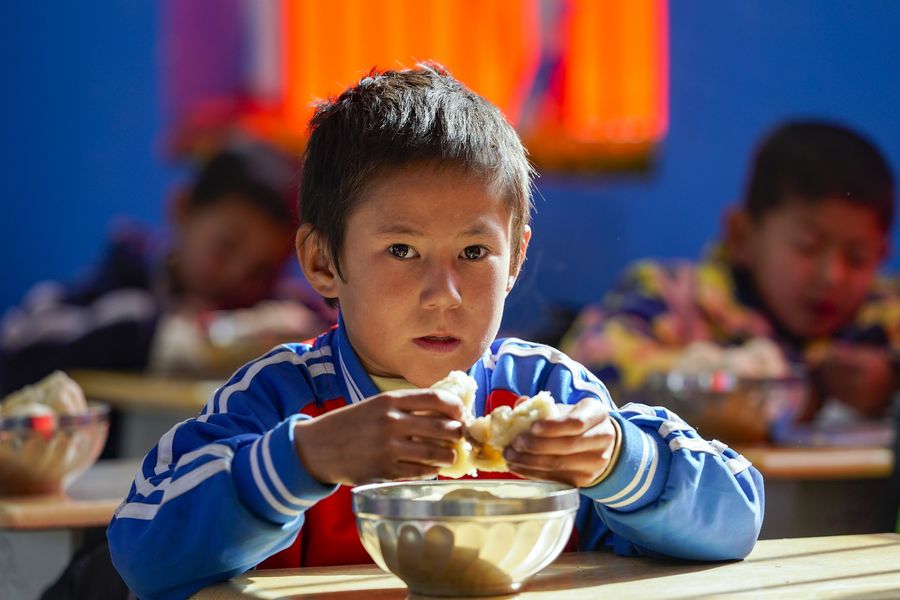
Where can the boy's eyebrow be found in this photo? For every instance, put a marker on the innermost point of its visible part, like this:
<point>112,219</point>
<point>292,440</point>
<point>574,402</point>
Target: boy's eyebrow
<point>397,229</point>
<point>403,229</point>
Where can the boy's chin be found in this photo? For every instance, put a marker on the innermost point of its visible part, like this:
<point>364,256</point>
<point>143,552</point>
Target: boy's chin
<point>424,378</point>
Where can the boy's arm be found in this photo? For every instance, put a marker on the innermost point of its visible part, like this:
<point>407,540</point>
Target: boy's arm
<point>223,491</point>
<point>669,492</point>
<point>638,327</point>
<point>675,494</point>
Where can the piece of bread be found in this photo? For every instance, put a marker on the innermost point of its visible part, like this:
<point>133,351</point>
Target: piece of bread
<point>464,387</point>
<point>56,393</point>
<point>490,434</point>
<point>481,448</point>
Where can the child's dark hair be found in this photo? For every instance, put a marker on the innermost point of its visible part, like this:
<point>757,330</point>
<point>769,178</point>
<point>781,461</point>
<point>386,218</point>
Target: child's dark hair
<point>250,172</point>
<point>811,161</point>
<point>393,119</point>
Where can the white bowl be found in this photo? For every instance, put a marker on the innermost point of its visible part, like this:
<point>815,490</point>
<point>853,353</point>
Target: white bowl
<point>722,405</point>
<point>464,546</point>
<point>46,453</point>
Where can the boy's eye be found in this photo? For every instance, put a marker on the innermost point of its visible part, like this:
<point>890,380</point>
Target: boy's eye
<point>402,251</point>
<point>805,246</point>
<point>860,258</point>
<point>474,252</point>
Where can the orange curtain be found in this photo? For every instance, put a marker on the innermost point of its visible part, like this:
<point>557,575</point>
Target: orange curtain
<point>591,84</point>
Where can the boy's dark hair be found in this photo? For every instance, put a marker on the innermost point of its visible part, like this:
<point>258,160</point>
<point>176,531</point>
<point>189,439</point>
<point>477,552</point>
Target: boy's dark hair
<point>396,118</point>
<point>811,161</point>
<point>250,172</point>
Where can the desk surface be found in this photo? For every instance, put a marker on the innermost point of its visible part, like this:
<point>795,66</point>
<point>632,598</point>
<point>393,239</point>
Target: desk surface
<point>89,501</point>
<point>827,567</point>
<point>137,390</point>
<point>820,463</point>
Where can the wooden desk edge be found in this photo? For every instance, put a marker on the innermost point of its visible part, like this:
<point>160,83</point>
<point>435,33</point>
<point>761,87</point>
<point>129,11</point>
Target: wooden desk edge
<point>820,463</point>
<point>149,392</point>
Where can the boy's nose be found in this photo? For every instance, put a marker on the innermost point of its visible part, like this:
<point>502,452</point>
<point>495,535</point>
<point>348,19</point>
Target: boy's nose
<point>832,268</point>
<point>440,288</point>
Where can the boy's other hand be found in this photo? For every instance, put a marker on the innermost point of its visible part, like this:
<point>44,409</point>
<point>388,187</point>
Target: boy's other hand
<point>404,434</point>
<point>860,376</point>
<point>574,448</point>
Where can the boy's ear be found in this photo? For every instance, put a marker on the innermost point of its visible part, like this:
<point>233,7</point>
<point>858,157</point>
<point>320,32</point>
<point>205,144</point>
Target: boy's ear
<point>312,253</point>
<point>179,207</point>
<point>737,226</point>
<point>516,265</point>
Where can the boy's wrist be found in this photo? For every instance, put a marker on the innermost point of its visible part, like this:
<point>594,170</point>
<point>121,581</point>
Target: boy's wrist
<point>611,464</point>
<point>304,442</point>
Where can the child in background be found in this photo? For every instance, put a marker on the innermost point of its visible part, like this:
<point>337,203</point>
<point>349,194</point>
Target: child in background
<point>415,210</point>
<point>151,303</point>
<point>797,265</point>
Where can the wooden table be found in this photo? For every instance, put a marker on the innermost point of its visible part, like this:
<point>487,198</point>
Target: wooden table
<point>89,501</point>
<point>141,391</point>
<point>824,490</point>
<point>40,533</point>
<point>825,567</point>
<point>148,405</point>
<point>820,463</point>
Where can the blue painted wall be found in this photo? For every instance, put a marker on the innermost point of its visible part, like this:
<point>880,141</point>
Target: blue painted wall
<point>81,134</point>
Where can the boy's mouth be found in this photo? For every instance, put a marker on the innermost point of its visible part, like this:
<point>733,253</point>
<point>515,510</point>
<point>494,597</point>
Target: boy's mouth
<point>437,343</point>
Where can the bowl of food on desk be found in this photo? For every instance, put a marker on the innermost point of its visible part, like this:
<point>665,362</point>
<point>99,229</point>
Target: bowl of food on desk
<point>469,537</point>
<point>465,538</point>
<point>740,394</point>
<point>49,435</point>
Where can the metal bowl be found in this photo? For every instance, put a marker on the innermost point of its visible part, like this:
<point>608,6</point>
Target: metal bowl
<point>46,453</point>
<point>725,406</point>
<point>464,538</point>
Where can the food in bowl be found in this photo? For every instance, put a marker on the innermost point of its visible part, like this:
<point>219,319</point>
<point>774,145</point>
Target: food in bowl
<point>738,394</point>
<point>464,538</point>
<point>481,448</point>
<point>49,435</point>
<point>757,358</point>
<point>727,407</point>
<point>56,393</point>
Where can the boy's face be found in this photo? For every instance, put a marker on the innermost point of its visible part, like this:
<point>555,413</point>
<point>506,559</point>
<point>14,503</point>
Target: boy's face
<point>229,254</point>
<point>813,264</point>
<point>427,266</point>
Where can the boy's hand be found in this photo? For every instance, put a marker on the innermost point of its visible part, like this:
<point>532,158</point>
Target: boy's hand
<point>860,376</point>
<point>396,435</point>
<point>574,448</point>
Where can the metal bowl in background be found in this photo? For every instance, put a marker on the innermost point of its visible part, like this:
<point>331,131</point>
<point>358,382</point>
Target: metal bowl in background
<point>46,453</point>
<point>464,538</point>
<point>725,406</point>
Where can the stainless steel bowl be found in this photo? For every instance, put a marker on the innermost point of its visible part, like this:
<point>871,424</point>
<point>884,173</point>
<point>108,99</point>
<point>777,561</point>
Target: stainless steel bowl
<point>46,453</point>
<point>464,538</point>
<point>722,405</point>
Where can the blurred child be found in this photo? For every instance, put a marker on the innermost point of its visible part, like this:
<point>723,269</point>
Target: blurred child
<point>415,211</point>
<point>152,302</point>
<point>797,264</point>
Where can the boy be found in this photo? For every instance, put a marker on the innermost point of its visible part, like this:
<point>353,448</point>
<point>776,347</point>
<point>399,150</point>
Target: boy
<point>150,302</point>
<point>798,265</point>
<point>414,218</point>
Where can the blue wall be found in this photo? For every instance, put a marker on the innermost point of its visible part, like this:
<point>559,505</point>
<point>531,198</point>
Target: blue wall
<point>736,68</point>
<point>81,134</point>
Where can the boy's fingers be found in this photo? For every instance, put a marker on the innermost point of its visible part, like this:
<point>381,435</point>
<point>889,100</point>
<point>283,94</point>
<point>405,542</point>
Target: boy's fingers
<point>585,415</point>
<point>430,427</point>
<point>424,401</point>
<point>408,470</point>
<point>580,461</point>
<point>574,478</point>
<point>597,438</point>
<point>422,453</point>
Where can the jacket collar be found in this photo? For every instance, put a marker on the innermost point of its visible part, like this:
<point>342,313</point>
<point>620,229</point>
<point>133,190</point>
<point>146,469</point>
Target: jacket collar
<point>356,383</point>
